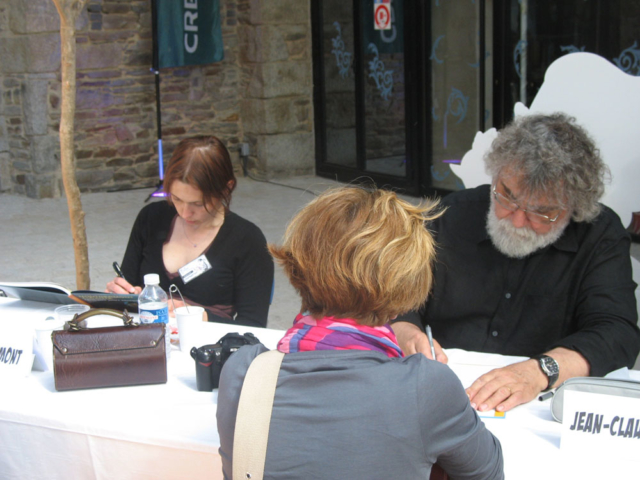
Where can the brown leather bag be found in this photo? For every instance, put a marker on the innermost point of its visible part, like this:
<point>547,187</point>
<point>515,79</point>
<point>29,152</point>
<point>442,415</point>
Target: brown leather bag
<point>133,354</point>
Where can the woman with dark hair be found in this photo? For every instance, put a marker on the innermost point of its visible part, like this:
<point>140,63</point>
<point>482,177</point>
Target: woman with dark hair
<point>217,259</point>
<point>348,403</point>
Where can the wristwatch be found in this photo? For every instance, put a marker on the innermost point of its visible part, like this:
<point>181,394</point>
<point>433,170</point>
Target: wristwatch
<point>550,368</point>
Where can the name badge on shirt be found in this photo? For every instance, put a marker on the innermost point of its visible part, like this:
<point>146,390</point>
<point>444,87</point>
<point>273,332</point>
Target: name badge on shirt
<point>194,269</point>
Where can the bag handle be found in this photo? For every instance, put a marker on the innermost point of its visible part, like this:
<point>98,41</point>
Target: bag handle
<point>74,325</point>
<point>253,417</point>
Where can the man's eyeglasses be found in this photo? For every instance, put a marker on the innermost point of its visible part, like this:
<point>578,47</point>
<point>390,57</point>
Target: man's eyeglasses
<point>533,217</point>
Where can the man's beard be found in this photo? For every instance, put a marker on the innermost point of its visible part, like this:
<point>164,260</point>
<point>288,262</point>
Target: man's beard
<point>520,242</point>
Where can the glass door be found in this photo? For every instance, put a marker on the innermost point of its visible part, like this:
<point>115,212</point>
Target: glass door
<point>384,91</point>
<point>457,87</point>
<point>363,86</point>
<point>400,105</point>
<point>530,35</point>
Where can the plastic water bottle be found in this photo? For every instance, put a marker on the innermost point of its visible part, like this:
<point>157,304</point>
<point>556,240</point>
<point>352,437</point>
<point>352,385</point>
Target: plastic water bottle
<point>153,306</point>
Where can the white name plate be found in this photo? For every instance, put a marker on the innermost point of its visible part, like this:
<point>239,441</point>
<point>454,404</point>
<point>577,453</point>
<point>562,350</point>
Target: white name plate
<point>601,426</point>
<point>16,349</point>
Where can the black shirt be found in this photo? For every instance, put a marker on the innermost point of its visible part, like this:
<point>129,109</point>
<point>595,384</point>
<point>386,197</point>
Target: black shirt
<point>237,288</point>
<point>577,293</point>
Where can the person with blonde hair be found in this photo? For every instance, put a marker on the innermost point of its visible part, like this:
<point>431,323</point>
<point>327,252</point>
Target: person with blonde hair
<point>348,403</point>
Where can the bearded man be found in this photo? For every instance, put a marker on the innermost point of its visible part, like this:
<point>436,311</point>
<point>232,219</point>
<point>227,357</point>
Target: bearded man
<point>532,265</point>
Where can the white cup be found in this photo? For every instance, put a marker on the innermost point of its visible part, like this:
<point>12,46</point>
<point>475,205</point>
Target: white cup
<point>44,329</point>
<point>65,313</point>
<point>189,326</point>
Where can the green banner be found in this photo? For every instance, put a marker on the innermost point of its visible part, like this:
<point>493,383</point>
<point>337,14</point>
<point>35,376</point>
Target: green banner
<point>189,32</point>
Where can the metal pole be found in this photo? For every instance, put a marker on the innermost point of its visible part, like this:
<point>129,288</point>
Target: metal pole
<point>159,123</point>
<point>155,68</point>
<point>523,54</point>
<point>481,80</point>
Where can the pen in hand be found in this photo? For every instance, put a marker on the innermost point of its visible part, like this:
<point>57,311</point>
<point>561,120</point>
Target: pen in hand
<point>430,337</point>
<point>118,271</point>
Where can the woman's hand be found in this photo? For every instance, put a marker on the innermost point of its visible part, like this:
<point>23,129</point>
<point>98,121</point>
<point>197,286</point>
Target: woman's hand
<point>120,285</point>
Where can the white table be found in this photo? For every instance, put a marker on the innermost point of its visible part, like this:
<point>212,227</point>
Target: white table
<point>169,431</point>
<point>529,436</point>
<point>146,432</point>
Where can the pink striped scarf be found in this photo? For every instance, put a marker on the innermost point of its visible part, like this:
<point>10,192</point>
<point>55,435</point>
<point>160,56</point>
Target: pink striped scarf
<point>329,333</point>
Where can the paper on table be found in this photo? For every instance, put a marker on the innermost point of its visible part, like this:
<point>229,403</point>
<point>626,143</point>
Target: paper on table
<point>492,414</point>
<point>493,360</point>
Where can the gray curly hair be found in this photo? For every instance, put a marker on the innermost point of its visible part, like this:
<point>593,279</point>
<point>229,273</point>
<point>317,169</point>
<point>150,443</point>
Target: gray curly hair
<point>555,158</point>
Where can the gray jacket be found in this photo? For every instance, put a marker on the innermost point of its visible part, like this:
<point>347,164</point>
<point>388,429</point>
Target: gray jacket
<point>353,414</point>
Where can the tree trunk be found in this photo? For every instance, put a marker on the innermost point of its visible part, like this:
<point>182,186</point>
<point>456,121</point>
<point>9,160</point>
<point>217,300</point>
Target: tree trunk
<point>69,10</point>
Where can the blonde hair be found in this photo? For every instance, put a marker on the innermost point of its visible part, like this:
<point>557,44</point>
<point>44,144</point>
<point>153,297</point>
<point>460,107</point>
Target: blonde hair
<point>359,253</point>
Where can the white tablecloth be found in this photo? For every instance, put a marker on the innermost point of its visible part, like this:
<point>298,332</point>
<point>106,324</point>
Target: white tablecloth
<point>529,436</point>
<point>147,432</point>
<point>169,431</point>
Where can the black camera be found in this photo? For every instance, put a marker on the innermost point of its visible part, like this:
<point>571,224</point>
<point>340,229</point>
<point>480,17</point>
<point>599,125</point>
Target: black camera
<point>210,358</point>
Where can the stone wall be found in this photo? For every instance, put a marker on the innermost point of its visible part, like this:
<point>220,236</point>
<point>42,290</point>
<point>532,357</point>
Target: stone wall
<point>261,93</point>
<point>277,104</point>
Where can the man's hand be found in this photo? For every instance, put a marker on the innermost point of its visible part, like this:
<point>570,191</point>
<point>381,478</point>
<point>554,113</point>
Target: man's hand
<point>507,387</point>
<point>413,340</point>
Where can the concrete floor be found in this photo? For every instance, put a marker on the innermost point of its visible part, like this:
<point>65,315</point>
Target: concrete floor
<point>36,244</point>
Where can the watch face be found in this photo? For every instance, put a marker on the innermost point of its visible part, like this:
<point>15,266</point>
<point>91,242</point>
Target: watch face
<point>550,366</point>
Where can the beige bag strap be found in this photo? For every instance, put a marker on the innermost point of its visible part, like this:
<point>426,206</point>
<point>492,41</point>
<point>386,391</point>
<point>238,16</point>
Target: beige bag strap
<point>254,416</point>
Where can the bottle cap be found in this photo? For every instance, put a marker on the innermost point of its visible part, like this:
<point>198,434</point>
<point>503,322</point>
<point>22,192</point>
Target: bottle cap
<point>151,279</point>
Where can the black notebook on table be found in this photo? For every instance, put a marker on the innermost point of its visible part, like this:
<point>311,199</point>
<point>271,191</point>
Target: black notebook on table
<point>53,293</point>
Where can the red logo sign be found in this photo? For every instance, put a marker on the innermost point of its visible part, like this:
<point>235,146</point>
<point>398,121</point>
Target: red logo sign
<point>382,16</point>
